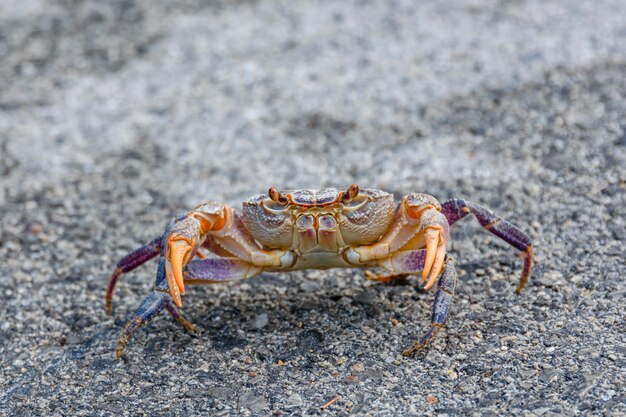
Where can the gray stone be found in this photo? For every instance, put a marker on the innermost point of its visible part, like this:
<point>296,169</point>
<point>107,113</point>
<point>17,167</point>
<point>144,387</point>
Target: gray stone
<point>294,401</point>
<point>259,322</point>
<point>252,402</point>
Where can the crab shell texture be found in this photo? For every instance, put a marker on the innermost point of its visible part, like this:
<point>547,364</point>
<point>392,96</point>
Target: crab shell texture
<point>319,220</point>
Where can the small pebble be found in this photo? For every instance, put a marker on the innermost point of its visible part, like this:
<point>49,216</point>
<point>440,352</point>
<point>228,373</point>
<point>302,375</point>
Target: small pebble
<point>430,399</point>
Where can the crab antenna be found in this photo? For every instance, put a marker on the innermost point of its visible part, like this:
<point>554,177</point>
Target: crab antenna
<point>352,192</point>
<point>277,196</point>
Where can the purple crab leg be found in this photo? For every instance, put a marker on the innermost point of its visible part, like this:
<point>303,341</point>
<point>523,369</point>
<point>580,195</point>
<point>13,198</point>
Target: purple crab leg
<point>137,258</point>
<point>129,262</point>
<point>407,262</point>
<point>199,271</point>
<point>412,262</point>
<point>456,209</point>
<point>441,308</point>
<point>150,307</point>
<point>171,308</point>
<point>216,270</point>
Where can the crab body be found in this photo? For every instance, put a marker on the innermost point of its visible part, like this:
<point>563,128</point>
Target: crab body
<point>305,229</point>
<point>317,225</point>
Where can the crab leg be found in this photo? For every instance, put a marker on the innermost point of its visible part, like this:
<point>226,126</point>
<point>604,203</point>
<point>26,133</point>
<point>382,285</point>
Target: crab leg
<point>404,263</point>
<point>386,278</point>
<point>136,258</point>
<point>456,209</point>
<point>441,308</point>
<point>148,309</point>
<point>218,224</point>
<point>411,262</point>
<point>211,270</point>
<point>216,270</point>
<point>129,262</point>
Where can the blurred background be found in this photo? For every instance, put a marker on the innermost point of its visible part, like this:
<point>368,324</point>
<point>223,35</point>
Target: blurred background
<point>116,115</point>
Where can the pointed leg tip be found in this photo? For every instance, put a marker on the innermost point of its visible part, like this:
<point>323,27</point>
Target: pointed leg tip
<point>527,255</point>
<point>127,333</point>
<point>187,325</point>
<point>109,307</point>
<point>413,350</point>
<point>417,347</point>
<point>121,347</point>
<point>109,292</point>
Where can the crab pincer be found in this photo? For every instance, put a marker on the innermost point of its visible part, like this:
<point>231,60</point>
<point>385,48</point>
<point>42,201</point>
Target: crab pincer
<point>434,226</point>
<point>435,255</point>
<point>181,244</point>
<point>184,239</point>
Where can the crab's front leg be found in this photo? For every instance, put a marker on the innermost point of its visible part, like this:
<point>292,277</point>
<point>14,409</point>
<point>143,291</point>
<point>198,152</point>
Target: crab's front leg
<point>214,226</point>
<point>418,224</point>
<point>219,222</point>
<point>129,262</point>
<point>212,270</point>
<point>185,237</point>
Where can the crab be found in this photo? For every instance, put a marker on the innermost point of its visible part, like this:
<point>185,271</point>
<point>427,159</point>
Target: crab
<point>302,229</point>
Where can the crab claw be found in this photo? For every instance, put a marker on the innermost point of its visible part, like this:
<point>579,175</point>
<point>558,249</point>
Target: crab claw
<point>180,247</point>
<point>435,255</point>
<point>178,251</point>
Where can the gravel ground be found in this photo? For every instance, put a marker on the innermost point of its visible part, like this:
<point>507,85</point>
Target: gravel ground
<point>116,115</point>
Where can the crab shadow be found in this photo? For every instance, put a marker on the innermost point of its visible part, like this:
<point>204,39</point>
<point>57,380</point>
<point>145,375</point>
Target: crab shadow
<point>287,316</point>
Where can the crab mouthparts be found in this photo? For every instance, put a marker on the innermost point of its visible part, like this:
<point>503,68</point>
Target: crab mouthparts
<point>317,232</point>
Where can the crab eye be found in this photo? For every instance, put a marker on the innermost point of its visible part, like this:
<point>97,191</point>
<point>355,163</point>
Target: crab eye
<point>351,194</point>
<point>277,196</point>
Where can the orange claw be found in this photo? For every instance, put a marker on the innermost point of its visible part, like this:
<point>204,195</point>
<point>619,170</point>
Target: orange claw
<point>171,283</point>
<point>432,239</point>
<point>177,255</point>
<point>437,266</point>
